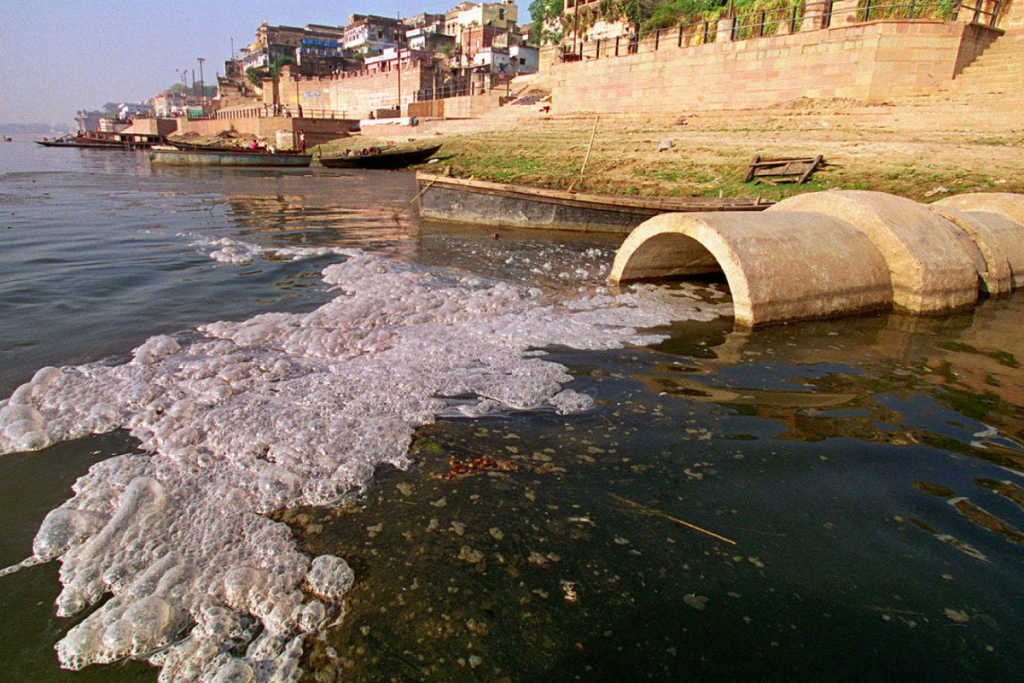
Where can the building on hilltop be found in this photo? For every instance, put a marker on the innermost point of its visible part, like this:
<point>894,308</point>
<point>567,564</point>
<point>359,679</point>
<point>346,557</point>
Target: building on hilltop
<point>431,41</point>
<point>501,15</point>
<point>321,49</point>
<point>314,49</point>
<point>425,20</point>
<point>370,34</point>
<point>392,59</point>
<point>502,50</point>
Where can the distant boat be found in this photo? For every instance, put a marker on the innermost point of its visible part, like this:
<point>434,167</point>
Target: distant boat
<point>103,140</point>
<point>498,205</point>
<point>228,157</point>
<point>382,158</point>
<point>4,138</point>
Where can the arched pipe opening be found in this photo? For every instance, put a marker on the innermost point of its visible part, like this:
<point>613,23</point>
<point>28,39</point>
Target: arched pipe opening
<point>779,267</point>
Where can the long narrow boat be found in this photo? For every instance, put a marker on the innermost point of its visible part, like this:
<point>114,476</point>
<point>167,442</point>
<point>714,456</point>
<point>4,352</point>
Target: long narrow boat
<point>226,157</point>
<point>497,205</point>
<point>384,159</point>
<point>86,143</point>
<point>104,140</point>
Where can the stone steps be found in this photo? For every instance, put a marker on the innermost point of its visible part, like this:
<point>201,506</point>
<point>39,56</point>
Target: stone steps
<point>997,75</point>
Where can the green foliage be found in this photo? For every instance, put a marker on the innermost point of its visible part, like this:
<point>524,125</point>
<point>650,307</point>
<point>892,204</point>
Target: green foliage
<point>279,63</point>
<point>256,75</point>
<point>682,12</point>
<point>179,89</point>
<point>542,13</point>
<point>676,12</point>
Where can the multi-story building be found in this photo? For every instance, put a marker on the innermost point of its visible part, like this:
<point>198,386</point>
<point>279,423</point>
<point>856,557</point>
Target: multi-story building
<point>474,39</point>
<point>502,15</point>
<point>169,104</point>
<point>314,49</point>
<point>368,34</point>
<point>392,59</point>
<point>431,41</point>
<point>426,32</point>
<point>321,49</point>
<point>425,20</point>
<point>451,18</point>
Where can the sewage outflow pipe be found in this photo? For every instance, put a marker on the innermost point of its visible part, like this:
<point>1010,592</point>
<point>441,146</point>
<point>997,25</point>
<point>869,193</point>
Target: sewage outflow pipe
<point>840,252</point>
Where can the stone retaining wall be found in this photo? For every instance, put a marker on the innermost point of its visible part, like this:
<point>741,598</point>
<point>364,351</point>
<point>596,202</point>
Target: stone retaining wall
<point>869,61</point>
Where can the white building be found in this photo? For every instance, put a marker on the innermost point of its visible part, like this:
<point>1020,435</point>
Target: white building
<point>524,59</point>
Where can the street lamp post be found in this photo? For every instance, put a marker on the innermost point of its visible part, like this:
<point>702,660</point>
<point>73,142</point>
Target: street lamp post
<point>202,84</point>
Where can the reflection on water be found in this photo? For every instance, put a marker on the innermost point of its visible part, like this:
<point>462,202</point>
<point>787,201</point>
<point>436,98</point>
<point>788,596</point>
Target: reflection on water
<point>868,470</point>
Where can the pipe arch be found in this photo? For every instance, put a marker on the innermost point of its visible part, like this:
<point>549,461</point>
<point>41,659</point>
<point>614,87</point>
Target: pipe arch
<point>1001,215</point>
<point>932,263</point>
<point>780,266</point>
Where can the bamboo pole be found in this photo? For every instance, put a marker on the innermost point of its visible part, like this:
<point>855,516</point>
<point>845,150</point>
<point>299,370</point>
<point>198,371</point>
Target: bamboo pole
<point>590,146</point>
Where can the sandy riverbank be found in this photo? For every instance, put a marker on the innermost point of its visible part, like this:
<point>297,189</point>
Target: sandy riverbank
<point>866,147</point>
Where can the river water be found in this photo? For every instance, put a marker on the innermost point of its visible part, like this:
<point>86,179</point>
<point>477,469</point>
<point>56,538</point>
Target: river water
<point>835,500</point>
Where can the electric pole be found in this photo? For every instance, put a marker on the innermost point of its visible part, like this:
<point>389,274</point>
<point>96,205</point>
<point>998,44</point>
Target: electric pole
<point>202,85</point>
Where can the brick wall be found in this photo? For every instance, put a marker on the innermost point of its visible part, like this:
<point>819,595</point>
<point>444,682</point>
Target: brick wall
<point>871,61</point>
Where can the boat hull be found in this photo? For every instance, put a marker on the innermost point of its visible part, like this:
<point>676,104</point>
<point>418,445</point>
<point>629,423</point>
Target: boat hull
<point>228,158</point>
<point>384,160</point>
<point>518,206</point>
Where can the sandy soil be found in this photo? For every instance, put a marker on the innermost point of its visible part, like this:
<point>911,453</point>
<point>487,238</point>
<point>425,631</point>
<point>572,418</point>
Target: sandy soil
<point>865,147</point>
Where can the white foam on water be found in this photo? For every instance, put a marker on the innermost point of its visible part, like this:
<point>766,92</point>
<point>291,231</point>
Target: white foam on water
<point>237,252</point>
<point>280,410</point>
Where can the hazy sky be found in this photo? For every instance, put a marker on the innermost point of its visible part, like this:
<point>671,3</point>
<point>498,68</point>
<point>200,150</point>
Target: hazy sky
<point>59,56</point>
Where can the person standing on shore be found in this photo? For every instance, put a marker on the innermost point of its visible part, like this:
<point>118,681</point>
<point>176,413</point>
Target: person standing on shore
<point>302,141</point>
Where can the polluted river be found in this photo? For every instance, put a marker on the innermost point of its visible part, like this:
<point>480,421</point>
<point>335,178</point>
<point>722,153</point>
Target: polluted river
<point>268,426</point>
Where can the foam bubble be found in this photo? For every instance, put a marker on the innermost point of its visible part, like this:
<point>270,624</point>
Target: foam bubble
<point>280,410</point>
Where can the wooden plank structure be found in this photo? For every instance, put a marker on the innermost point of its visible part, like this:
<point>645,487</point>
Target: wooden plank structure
<point>784,170</point>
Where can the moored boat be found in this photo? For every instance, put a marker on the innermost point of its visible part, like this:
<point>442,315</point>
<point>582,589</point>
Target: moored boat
<point>383,158</point>
<point>228,157</point>
<point>521,206</point>
<point>103,140</point>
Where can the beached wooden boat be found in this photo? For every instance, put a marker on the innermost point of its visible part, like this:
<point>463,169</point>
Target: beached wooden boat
<point>229,157</point>
<point>478,202</point>
<point>385,158</point>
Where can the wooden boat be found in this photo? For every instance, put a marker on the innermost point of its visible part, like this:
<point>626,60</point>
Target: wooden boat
<point>520,206</point>
<point>381,159</point>
<point>229,157</point>
<point>178,144</point>
<point>103,140</point>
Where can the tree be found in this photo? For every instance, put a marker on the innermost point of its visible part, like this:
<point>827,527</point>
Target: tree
<point>256,75</point>
<point>279,63</point>
<point>179,89</point>
<point>544,14</point>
